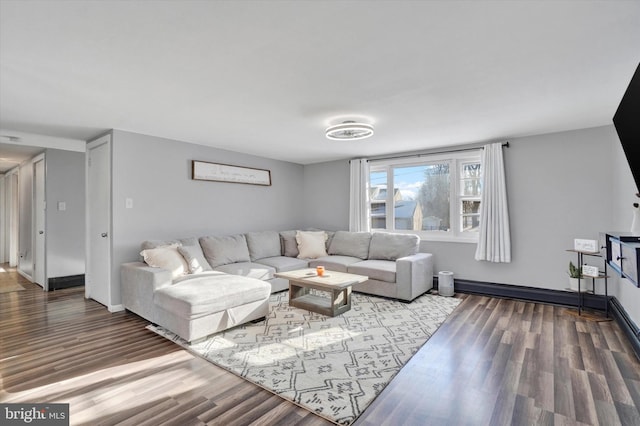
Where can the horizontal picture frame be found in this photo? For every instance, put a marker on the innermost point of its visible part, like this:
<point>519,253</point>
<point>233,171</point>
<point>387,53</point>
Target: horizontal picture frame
<point>218,172</point>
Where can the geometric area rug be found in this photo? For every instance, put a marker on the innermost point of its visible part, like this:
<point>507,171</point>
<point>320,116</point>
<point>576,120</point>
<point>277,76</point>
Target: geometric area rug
<point>334,367</point>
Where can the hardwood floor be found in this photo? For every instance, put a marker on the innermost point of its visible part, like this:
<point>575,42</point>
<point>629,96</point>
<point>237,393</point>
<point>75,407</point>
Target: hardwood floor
<point>493,362</point>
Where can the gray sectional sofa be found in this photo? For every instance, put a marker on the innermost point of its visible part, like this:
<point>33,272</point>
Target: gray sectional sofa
<point>196,287</point>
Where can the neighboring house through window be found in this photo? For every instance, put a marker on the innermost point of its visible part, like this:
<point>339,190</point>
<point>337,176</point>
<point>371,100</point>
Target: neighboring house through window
<point>436,196</point>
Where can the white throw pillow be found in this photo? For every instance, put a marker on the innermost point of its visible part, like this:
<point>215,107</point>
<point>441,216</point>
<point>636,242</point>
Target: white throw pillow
<point>166,257</point>
<point>311,245</point>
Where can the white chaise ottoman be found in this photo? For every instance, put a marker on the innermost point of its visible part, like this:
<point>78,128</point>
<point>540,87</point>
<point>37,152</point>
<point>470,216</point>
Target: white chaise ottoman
<point>198,305</point>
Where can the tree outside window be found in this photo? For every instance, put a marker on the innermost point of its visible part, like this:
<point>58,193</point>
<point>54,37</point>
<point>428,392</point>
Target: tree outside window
<point>431,195</point>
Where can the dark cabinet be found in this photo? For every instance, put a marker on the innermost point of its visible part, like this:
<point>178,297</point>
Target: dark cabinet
<point>623,253</point>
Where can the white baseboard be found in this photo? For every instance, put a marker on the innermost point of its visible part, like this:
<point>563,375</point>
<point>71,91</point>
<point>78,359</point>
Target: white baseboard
<point>115,308</point>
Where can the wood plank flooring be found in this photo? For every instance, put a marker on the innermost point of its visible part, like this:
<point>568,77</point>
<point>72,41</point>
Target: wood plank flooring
<point>493,362</point>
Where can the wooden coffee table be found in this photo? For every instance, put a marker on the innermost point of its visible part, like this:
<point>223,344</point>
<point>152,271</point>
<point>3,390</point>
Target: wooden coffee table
<point>337,284</point>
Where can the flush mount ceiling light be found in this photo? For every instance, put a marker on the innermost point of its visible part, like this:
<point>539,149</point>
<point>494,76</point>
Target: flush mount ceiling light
<point>349,131</point>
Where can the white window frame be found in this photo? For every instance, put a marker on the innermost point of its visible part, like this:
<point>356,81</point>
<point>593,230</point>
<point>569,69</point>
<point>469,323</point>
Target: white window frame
<point>455,160</point>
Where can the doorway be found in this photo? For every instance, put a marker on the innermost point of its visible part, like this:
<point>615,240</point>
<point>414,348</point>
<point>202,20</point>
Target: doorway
<point>39,223</point>
<point>98,234</point>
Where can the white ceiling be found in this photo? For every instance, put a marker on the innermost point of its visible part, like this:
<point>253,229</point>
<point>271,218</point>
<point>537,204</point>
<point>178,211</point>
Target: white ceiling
<point>11,155</point>
<point>267,77</point>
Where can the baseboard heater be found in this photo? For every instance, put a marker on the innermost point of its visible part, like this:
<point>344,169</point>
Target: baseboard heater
<point>58,283</point>
<point>554,297</point>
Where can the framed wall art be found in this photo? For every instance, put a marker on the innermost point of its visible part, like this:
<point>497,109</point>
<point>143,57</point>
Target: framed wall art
<point>202,170</point>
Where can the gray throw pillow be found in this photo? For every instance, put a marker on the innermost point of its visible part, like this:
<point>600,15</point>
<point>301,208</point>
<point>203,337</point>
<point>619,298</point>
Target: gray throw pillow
<point>263,244</point>
<point>195,258</point>
<point>330,235</point>
<point>354,244</point>
<point>222,250</point>
<point>386,246</point>
<point>289,243</point>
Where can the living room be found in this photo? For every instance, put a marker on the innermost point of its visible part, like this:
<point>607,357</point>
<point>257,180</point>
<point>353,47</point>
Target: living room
<point>565,182</point>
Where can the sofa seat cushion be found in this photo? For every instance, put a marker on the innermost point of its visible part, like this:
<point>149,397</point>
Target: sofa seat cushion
<point>381,270</point>
<point>334,263</point>
<point>248,269</point>
<point>284,264</point>
<point>198,275</point>
<point>206,294</point>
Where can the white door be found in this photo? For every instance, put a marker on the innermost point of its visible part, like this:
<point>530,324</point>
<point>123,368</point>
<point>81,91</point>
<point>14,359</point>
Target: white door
<point>98,273</point>
<point>4,223</point>
<point>39,224</point>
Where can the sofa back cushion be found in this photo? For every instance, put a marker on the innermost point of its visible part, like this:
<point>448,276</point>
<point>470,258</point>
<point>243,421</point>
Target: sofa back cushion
<point>222,250</point>
<point>263,244</point>
<point>354,244</point>
<point>386,246</point>
<point>151,244</point>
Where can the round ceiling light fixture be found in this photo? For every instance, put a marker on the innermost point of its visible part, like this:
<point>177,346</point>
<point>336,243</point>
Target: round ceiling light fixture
<point>349,131</point>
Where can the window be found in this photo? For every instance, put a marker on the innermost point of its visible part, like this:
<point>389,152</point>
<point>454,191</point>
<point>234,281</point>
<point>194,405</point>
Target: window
<point>436,196</point>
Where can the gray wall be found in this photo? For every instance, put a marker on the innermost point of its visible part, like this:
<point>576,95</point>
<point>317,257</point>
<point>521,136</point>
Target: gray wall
<point>559,188</point>
<point>65,229</point>
<point>156,174</point>
<point>326,195</point>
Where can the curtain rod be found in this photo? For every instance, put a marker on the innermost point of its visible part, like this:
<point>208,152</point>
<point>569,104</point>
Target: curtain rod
<point>506,145</point>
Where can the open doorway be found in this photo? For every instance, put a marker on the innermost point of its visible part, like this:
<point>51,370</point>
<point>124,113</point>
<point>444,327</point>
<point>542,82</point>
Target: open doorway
<point>9,218</point>
<point>44,197</point>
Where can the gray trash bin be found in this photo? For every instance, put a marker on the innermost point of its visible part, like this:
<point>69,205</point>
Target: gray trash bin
<point>445,283</point>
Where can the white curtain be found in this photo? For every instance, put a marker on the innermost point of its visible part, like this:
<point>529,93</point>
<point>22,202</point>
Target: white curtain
<point>494,244</point>
<point>359,196</point>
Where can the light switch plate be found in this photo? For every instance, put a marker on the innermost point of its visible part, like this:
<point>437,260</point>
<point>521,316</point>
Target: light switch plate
<point>128,203</point>
<point>62,206</point>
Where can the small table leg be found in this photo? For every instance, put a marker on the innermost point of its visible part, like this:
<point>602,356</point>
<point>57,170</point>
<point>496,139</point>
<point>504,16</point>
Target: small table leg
<point>340,300</point>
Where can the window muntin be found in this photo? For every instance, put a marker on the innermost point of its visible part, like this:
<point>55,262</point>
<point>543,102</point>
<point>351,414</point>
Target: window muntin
<point>470,192</point>
<point>437,197</point>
